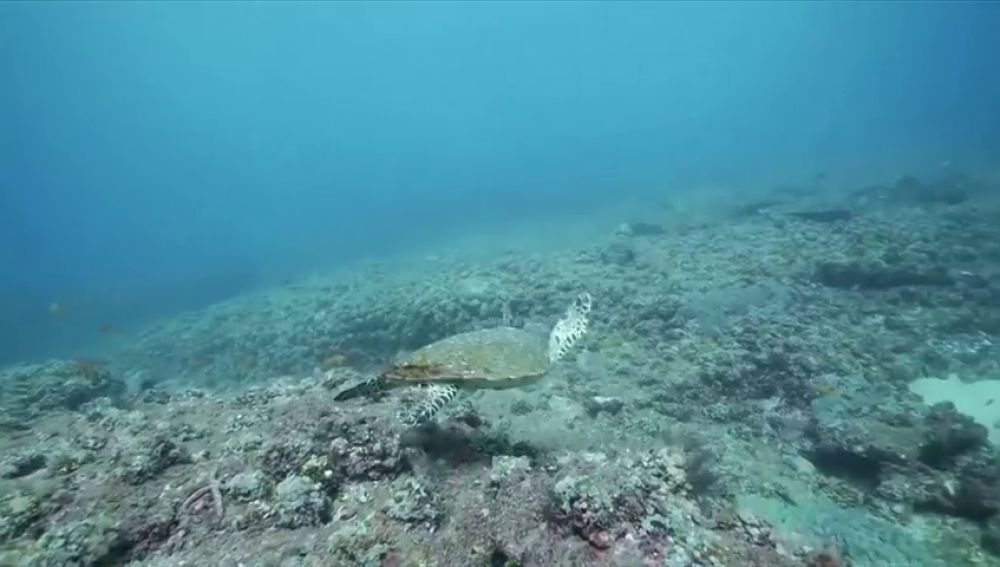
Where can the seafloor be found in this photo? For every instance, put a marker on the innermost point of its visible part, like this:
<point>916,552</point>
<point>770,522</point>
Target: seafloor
<point>767,383</point>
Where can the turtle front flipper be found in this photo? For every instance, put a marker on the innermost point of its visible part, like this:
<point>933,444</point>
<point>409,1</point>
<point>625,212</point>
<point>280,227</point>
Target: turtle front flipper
<point>432,398</point>
<point>568,330</point>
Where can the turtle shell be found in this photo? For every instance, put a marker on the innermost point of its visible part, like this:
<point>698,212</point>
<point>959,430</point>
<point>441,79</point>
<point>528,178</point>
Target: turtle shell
<point>502,357</point>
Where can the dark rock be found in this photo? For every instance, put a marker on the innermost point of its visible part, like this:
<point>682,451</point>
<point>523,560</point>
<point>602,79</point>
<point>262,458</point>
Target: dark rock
<point>949,434</point>
<point>949,191</point>
<point>646,229</point>
<point>28,391</point>
<point>879,277</point>
<point>158,455</point>
<point>21,513</point>
<point>990,539</point>
<point>301,502</point>
<point>974,281</point>
<point>281,458</point>
<point>970,498</point>
<point>455,443</point>
<point>598,538</point>
<point>500,558</point>
<point>95,540</point>
<point>861,449</point>
<point>147,528</point>
<point>367,454</point>
<point>21,464</point>
<point>618,253</point>
<point>411,502</point>
<point>829,216</point>
<point>755,208</point>
<point>598,404</point>
<point>248,486</point>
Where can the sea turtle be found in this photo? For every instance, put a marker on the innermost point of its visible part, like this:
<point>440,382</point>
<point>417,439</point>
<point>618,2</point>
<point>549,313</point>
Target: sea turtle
<point>495,358</point>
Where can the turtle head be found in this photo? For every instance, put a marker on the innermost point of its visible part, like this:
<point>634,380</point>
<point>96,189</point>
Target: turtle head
<point>568,330</point>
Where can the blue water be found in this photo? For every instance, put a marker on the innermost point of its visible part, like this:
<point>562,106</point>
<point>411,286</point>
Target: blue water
<point>156,157</point>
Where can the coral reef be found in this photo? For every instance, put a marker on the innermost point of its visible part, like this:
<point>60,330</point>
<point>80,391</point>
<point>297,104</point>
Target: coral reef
<point>743,397</point>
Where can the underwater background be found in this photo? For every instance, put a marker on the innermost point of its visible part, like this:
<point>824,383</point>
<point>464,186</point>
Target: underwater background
<point>158,157</point>
<point>220,218</point>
